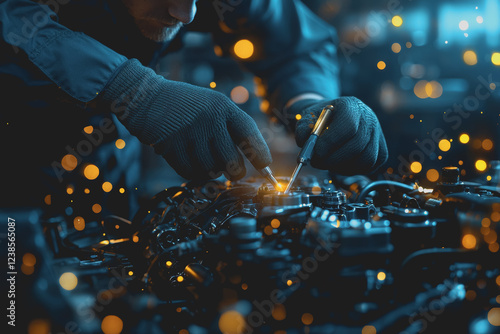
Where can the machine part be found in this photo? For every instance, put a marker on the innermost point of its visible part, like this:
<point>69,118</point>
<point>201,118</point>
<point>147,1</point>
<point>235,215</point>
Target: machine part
<point>268,174</point>
<point>199,274</point>
<point>405,215</point>
<point>361,211</point>
<point>450,175</point>
<point>198,251</point>
<point>243,235</point>
<point>333,199</point>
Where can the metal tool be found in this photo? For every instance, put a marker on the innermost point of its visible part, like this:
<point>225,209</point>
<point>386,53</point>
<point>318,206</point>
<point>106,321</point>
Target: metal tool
<point>268,174</point>
<point>307,150</point>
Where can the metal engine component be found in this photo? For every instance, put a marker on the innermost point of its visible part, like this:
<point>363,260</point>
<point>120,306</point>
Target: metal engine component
<point>290,199</point>
<point>318,259</point>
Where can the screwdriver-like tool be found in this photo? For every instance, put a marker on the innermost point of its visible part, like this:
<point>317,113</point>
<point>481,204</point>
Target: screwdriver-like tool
<point>307,150</point>
<point>268,174</point>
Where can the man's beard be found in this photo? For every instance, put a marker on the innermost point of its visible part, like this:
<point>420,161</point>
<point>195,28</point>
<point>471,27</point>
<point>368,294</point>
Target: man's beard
<point>158,31</point>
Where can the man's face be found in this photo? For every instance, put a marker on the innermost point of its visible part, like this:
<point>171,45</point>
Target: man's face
<point>160,20</point>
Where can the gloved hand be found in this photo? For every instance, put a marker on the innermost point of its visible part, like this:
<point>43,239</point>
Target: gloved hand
<point>353,142</point>
<point>197,130</point>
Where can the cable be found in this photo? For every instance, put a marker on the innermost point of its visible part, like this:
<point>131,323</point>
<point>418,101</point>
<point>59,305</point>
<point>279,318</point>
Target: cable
<point>382,184</point>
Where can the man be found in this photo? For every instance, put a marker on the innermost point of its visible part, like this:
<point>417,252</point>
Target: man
<point>67,65</point>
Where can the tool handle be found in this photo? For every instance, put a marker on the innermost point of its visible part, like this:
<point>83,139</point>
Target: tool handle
<point>322,121</point>
<point>307,150</point>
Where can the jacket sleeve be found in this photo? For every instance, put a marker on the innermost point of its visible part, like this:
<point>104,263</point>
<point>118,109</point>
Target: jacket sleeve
<point>78,64</point>
<point>294,50</point>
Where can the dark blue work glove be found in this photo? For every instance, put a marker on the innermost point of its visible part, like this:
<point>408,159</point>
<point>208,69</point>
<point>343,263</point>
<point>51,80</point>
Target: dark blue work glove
<point>198,131</point>
<point>353,142</point>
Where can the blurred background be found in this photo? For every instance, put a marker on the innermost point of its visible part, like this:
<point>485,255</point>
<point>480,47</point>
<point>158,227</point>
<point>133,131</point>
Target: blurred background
<point>429,69</point>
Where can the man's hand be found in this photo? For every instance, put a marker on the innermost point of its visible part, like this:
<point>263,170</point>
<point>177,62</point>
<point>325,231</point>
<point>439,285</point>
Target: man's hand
<point>353,142</point>
<point>198,131</point>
